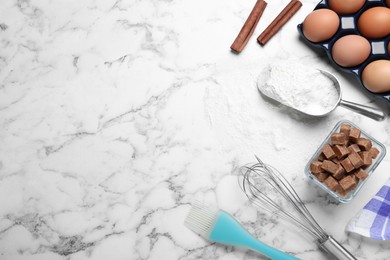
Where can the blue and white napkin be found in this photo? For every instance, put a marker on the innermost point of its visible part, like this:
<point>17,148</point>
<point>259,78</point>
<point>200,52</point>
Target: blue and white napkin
<point>373,220</point>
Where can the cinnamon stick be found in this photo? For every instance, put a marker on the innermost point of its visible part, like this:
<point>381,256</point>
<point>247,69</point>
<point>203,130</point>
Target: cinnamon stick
<point>279,21</point>
<point>249,26</point>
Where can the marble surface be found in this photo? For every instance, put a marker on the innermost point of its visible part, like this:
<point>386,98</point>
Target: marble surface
<point>116,115</point>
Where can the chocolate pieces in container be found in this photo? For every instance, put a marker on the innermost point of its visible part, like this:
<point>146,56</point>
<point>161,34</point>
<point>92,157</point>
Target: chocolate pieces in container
<point>343,172</point>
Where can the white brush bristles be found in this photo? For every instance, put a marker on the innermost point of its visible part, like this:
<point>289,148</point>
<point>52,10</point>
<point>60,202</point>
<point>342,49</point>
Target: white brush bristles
<point>201,219</point>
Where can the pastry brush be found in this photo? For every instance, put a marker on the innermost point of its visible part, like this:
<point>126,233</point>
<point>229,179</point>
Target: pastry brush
<point>219,226</point>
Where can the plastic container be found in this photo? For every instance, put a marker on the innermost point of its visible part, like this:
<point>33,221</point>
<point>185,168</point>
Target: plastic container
<point>369,170</point>
<point>348,26</point>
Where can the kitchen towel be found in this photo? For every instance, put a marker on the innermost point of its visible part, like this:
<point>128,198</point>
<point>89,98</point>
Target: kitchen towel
<point>373,220</point>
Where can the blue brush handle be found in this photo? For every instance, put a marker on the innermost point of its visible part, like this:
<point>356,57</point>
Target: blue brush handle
<point>229,232</point>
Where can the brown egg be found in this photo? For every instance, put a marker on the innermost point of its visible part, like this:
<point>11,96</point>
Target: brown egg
<point>388,3</point>
<point>376,76</point>
<point>375,22</point>
<point>346,6</point>
<point>320,25</point>
<point>351,50</point>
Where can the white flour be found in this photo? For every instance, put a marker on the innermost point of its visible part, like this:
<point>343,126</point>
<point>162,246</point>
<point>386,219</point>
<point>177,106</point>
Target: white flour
<point>301,87</point>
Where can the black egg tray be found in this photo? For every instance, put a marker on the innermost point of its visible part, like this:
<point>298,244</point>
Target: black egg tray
<point>348,25</point>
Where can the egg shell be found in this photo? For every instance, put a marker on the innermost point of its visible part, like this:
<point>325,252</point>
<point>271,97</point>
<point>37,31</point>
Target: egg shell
<point>346,6</point>
<point>374,23</point>
<point>320,25</point>
<point>388,48</point>
<point>376,76</point>
<point>351,50</point>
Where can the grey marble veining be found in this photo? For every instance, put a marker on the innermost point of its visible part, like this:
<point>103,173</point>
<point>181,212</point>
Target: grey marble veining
<point>116,115</point>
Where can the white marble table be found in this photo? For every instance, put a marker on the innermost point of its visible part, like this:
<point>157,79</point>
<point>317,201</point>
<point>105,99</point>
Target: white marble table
<point>116,115</point>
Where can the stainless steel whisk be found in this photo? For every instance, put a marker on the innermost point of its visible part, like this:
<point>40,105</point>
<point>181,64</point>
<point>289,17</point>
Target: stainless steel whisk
<point>267,188</point>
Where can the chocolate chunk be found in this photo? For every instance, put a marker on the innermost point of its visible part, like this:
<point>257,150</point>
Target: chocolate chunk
<point>340,172</point>
<point>348,182</point>
<point>364,144</point>
<point>341,151</point>
<point>331,183</point>
<point>328,152</point>
<point>329,166</point>
<point>354,148</point>
<point>355,159</point>
<point>321,157</point>
<point>315,167</point>
<point>374,152</point>
<point>339,190</point>
<point>336,170</point>
<point>346,163</point>
<point>345,129</point>
<point>338,138</point>
<point>366,157</point>
<point>321,176</point>
<point>361,174</point>
<point>354,134</point>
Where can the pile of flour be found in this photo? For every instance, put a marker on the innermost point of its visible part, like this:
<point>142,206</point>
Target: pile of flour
<point>301,87</point>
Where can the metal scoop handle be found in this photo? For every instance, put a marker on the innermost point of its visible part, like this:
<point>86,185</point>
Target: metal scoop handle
<point>371,112</point>
<point>336,250</point>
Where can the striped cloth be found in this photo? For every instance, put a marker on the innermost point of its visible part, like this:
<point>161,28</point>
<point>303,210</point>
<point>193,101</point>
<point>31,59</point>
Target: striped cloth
<point>373,220</point>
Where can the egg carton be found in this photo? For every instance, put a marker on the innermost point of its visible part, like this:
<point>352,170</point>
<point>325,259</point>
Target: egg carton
<point>348,25</point>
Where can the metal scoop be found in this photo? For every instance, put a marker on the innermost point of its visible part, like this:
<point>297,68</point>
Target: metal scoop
<point>368,111</point>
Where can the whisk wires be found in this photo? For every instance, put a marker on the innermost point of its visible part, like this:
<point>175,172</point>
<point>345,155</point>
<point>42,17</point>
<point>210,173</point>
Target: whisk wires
<point>261,180</point>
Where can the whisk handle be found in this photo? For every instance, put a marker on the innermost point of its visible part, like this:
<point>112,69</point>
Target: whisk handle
<point>335,249</point>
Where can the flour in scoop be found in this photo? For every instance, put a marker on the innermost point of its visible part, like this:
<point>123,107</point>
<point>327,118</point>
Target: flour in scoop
<point>301,87</point>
